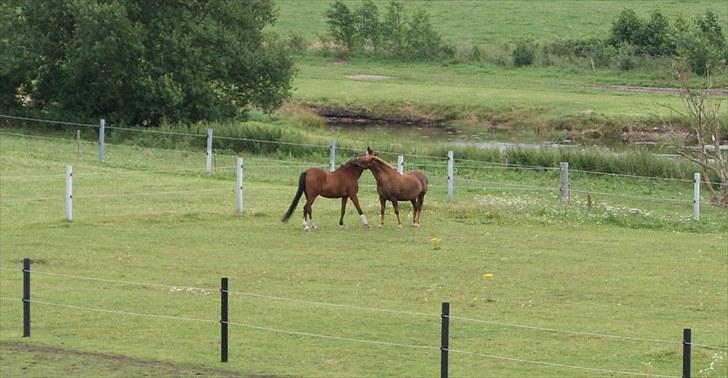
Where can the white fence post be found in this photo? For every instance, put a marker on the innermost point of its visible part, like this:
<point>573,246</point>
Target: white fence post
<point>239,185</point>
<point>564,187</point>
<point>208,160</point>
<point>102,134</point>
<point>450,174</point>
<point>400,164</point>
<point>69,193</point>
<point>332,155</point>
<point>696,196</point>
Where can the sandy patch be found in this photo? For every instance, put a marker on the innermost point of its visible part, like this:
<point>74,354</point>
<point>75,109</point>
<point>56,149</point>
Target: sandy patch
<point>369,77</point>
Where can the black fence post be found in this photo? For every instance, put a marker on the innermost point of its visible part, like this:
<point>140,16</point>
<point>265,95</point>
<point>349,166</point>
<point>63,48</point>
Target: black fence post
<point>687,333</point>
<point>26,297</point>
<point>445,335</point>
<point>224,319</point>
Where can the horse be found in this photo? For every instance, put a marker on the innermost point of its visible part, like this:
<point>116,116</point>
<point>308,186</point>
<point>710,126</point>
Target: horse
<point>394,187</point>
<point>341,183</point>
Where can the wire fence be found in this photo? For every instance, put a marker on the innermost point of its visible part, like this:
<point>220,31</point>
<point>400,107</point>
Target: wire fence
<point>146,285</point>
<point>469,163</point>
<point>362,308</point>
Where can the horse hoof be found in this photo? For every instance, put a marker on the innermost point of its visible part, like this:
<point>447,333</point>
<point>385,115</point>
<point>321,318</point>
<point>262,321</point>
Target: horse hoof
<point>381,225</point>
<point>366,226</point>
<point>343,227</point>
<point>314,226</point>
<point>399,225</point>
<point>415,225</point>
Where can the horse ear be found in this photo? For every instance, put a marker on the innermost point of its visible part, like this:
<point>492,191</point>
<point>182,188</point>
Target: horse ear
<point>370,151</point>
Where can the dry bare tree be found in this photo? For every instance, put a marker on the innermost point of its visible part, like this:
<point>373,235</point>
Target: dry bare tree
<point>702,107</point>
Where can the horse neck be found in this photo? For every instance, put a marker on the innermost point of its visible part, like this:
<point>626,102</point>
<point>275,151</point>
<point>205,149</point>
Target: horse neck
<point>381,170</point>
<point>351,170</point>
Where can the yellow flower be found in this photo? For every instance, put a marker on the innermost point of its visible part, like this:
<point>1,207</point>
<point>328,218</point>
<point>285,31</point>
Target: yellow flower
<point>435,240</point>
<point>487,276</point>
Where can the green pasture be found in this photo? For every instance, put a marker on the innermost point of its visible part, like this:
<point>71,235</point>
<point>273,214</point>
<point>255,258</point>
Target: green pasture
<point>530,94</point>
<point>152,235</point>
<point>491,22</point>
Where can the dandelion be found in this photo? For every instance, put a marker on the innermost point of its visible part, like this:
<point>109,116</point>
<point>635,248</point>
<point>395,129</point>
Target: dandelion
<point>487,276</point>
<point>435,242</point>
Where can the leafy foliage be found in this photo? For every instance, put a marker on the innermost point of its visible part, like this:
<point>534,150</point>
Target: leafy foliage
<point>523,54</point>
<point>396,36</point>
<point>144,62</point>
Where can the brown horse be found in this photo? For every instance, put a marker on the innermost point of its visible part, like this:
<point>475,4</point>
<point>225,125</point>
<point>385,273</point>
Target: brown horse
<point>341,183</point>
<point>394,187</point>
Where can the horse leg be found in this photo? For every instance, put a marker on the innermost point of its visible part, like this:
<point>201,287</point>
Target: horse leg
<point>308,211</point>
<point>382,205</point>
<point>305,214</point>
<point>395,204</point>
<point>343,211</point>
<point>355,201</point>
<point>420,202</point>
<point>414,212</point>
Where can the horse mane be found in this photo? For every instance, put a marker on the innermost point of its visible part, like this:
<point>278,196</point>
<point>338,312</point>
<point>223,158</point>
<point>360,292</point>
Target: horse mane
<point>377,158</point>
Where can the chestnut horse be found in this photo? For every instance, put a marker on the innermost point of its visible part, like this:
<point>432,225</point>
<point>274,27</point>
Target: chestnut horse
<point>394,187</point>
<point>341,183</point>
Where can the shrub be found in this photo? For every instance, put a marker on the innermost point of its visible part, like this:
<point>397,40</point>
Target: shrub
<point>342,24</point>
<point>523,54</point>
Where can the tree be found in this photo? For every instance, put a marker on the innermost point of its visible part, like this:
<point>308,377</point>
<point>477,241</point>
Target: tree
<point>394,28</point>
<point>626,28</point>
<point>342,24</point>
<point>422,42</point>
<point>655,36</point>
<point>136,61</point>
<point>702,108</point>
<point>367,24</point>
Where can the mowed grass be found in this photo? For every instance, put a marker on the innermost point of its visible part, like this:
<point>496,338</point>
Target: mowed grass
<point>489,22</point>
<point>153,220</point>
<point>533,94</point>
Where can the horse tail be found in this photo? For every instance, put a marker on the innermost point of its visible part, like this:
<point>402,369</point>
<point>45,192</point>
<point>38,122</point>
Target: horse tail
<point>296,198</point>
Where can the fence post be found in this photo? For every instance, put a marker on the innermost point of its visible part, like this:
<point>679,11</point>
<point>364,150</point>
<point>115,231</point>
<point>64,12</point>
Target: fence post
<point>224,319</point>
<point>687,333</point>
<point>239,184</point>
<point>69,193</point>
<point>696,196</point>
<point>450,174</point>
<point>564,187</point>
<point>78,144</point>
<point>26,297</point>
<point>102,134</point>
<point>400,164</point>
<point>332,155</point>
<point>208,152</point>
<point>444,338</point>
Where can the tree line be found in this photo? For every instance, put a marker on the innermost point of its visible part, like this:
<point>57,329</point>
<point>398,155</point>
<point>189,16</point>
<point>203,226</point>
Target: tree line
<point>141,62</point>
<point>396,34</point>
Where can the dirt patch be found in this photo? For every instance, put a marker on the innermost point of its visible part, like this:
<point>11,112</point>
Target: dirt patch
<point>356,115</point>
<point>657,90</point>
<point>369,77</point>
<point>95,364</point>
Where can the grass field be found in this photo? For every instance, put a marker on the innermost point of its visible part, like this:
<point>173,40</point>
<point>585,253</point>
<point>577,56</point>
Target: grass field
<point>481,95</point>
<point>491,22</point>
<point>152,235</point>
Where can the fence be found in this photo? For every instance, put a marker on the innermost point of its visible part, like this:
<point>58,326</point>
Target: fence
<point>451,167</point>
<point>445,318</point>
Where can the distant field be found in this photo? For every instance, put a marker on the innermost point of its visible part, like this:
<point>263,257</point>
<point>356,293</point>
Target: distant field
<point>550,92</point>
<point>488,22</point>
<point>159,234</point>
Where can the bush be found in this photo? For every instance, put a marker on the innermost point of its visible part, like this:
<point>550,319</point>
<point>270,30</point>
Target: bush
<point>523,54</point>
